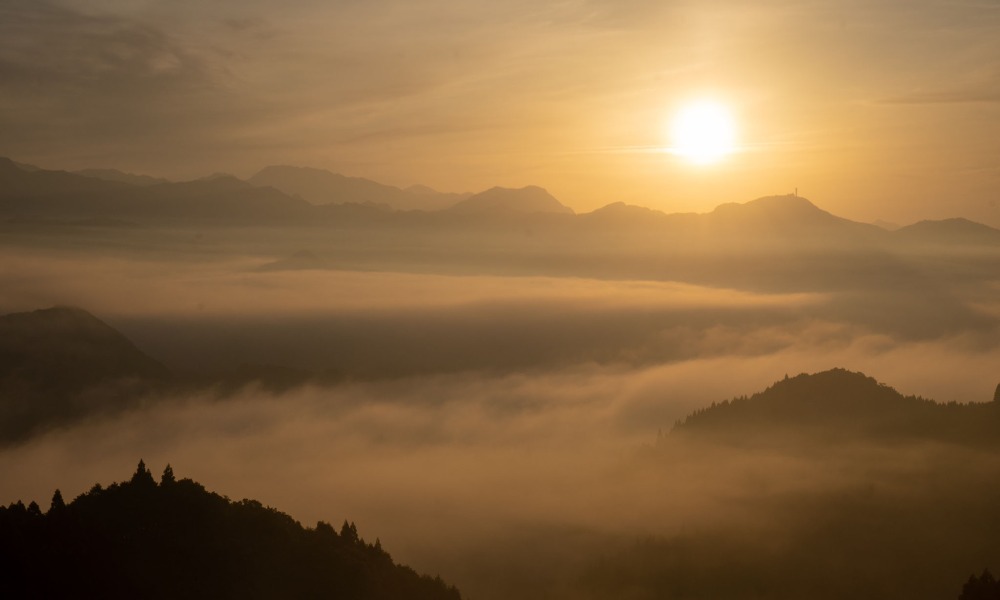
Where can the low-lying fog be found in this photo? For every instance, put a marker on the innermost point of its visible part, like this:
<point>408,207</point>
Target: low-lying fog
<point>499,431</point>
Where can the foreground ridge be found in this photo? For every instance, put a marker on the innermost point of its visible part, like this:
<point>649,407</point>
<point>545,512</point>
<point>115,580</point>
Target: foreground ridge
<point>174,539</point>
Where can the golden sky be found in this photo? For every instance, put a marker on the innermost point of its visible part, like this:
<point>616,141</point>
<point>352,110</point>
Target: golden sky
<point>874,109</point>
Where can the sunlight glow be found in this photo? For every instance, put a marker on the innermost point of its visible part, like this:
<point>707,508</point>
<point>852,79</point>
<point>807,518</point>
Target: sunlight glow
<point>703,132</point>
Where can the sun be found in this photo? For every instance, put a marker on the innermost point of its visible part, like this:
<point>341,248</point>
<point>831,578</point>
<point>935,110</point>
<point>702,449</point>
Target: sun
<point>703,132</point>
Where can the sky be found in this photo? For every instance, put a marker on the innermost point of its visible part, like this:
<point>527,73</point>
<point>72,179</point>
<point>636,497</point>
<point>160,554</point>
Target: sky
<point>881,109</point>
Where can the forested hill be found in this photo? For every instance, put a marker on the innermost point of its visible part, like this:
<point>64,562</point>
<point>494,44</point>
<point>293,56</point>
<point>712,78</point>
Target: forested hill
<point>843,404</point>
<point>174,539</point>
<point>62,364</point>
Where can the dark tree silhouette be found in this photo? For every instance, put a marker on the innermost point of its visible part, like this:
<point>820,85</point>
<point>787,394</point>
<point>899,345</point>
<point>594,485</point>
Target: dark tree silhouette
<point>58,503</point>
<point>168,476</point>
<point>984,587</point>
<point>119,541</point>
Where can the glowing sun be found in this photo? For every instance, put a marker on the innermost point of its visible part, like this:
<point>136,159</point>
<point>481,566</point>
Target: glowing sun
<point>703,132</point>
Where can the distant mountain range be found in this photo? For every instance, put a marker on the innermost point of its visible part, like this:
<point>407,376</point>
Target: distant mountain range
<point>60,195</point>
<point>949,232</point>
<point>120,176</point>
<point>294,195</point>
<point>323,187</point>
<point>498,200</point>
<point>173,539</point>
<point>842,405</point>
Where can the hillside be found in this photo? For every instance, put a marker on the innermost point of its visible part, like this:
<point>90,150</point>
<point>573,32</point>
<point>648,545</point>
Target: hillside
<point>61,364</point>
<point>174,539</point>
<point>319,186</point>
<point>949,231</point>
<point>823,486</point>
<point>62,195</point>
<point>498,200</point>
<point>121,176</point>
<point>839,404</point>
<point>789,217</point>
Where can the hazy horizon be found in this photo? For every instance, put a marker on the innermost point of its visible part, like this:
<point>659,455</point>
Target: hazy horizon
<point>876,112</point>
<point>698,300</point>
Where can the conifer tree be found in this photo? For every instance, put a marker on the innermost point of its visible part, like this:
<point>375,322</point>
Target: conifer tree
<point>168,476</point>
<point>57,503</point>
<point>142,476</point>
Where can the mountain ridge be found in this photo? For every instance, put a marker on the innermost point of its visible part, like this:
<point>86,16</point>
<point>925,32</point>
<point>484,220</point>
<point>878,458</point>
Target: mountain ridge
<point>319,186</point>
<point>500,200</point>
<point>174,539</point>
<point>33,194</point>
<point>62,364</point>
<point>841,404</point>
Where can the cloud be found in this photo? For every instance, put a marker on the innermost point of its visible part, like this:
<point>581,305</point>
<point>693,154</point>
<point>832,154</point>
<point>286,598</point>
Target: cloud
<point>472,474</point>
<point>492,429</point>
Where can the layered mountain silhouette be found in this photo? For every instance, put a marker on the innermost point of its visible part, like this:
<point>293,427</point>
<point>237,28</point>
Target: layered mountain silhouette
<point>498,200</point>
<point>950,232</point>
<point>840,404</point>
<point>319,186</point>
<point>17,182</point>
<point>121,176</point>
<point>788,216</point>
<point>82,348</point>
<point>890,496</point>
<point>63,195</point>
<point>175,539</point>
<point>61,364</point>
<point>283,195</point>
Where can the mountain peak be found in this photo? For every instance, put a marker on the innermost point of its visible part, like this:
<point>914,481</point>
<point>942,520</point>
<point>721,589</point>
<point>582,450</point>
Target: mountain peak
<point>319,186</point>
<point>70,339</point>
<point>832,400</point>
<point>837,405</point>
<point>62,363</point>
<point>790,217</point>
<point>787,204</point>
<point>209,545</point>
<point>949,231</point>
<point>500,200</point>
<point>121,176</point>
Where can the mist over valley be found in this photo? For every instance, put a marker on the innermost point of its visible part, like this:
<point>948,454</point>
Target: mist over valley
<point>527,401</point>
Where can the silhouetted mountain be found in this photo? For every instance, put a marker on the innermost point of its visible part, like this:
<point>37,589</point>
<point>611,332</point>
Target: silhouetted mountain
<point>63,195</point>
<point>224,198</point>
<point>844,489</point>
<point>788,216</point>
<point>619,213</point>
<point>61,364</point>
<point>25,166</point>
<point>838,404</point>
<point>950,231</point>
<point>17,182</point>
<point>121,176</point>
<point>774,244</point>
<point>72,343</point>
<point>140,539</point>
<point>318,186</point>
<point>498,200</point>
